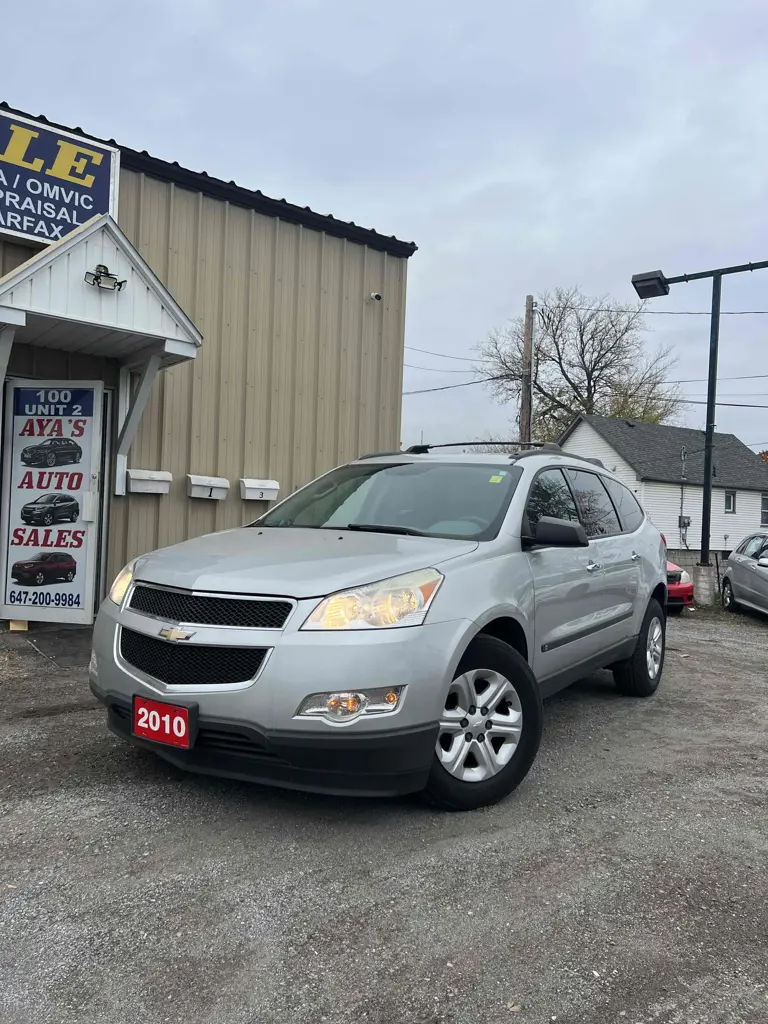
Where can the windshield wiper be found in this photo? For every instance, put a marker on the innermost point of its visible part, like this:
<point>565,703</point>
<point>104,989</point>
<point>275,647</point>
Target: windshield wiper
<point>375,528</point>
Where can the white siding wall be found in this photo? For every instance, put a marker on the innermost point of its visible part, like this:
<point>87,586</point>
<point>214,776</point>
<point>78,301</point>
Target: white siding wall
<point>587,442</point>
<point>662,503</point>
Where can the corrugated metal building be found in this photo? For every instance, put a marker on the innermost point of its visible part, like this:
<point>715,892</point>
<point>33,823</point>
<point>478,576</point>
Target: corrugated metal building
<point>300,367</point>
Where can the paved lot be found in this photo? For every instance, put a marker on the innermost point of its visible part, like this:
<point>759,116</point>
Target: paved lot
<point>625,881</point>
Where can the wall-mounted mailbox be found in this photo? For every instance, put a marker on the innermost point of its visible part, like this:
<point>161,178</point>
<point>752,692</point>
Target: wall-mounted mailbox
<point>258,490</point>
<point>213,487</point>
<point>149,481</point>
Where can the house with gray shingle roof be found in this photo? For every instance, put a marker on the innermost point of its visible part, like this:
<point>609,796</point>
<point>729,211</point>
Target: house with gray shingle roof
<point>664,466</point>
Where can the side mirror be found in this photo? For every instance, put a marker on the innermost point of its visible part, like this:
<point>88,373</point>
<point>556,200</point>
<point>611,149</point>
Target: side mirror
<point>762,562</point>
<point>559,533</point>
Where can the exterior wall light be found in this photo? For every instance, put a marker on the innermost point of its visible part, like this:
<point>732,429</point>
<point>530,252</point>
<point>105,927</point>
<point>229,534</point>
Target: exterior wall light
<point>100,277</point>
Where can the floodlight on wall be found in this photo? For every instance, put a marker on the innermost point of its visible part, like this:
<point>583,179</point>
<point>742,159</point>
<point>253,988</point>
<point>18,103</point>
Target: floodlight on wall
<point>100,277</point>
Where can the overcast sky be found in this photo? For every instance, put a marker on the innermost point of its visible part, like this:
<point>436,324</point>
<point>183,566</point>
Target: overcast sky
<point>521,145</point>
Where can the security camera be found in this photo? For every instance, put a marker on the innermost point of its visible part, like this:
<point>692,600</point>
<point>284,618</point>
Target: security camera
<point>376,296</point>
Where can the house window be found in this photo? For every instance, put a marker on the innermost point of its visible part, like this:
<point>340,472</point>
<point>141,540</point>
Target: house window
<point>764,511</point>
<point>730,502</point>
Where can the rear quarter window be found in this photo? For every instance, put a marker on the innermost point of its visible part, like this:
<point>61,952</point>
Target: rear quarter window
<point>628,507</point>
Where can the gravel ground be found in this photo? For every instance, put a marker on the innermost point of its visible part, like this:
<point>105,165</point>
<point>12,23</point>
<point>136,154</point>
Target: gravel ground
<point>625,881</point>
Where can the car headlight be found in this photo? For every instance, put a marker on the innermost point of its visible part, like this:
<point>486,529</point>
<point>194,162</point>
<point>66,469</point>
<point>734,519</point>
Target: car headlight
<point>121,584</point>
<point>685,577</point>
<point>400,601</point>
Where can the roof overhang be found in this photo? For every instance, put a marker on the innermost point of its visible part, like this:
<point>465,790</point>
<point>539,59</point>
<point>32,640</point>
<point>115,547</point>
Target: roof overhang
<point>49,304</point>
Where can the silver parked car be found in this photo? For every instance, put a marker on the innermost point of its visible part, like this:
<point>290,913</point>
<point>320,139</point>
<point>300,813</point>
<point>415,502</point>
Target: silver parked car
<point>745,575</point>
<point>390,628</point>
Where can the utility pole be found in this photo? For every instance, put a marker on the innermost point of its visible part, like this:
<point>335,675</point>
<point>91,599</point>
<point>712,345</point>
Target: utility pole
<point>526,383</point>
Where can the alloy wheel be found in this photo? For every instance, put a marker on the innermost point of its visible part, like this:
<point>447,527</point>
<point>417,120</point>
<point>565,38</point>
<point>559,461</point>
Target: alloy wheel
<point>40,579</point>
<point>480,726</point>
<point>654,647</point>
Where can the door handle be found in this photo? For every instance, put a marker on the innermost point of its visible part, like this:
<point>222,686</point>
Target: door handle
<point>593,567</point>
<point>635,556</point>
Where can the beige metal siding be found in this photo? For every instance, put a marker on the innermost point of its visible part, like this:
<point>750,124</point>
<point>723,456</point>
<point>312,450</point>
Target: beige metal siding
<point>299,370</point>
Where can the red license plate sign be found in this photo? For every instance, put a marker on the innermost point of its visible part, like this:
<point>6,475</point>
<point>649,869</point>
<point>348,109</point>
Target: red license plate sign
<point>163,723</point>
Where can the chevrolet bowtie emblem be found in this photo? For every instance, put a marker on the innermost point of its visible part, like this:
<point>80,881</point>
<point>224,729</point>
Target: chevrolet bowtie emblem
<point>175,634</point>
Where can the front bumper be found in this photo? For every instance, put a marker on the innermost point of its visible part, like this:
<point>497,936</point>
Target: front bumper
<point>680,595</point>
<point>387,763</point>
<point>251,731</point>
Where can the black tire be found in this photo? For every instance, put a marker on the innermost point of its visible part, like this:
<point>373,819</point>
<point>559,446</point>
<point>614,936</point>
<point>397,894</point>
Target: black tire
<point>50,459</point>
<point>40,579</point>
<point>674,609</point>
<point>729,601</point>
<point>632,676</point>
<point>73,517</point>
<point>452,794</point>
<point>70,576</point>
<point>47,519</point>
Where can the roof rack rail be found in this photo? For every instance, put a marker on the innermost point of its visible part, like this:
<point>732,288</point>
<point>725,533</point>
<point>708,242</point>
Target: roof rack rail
<point>376,455</point>
<point>531,448</point>
<point>422,449</point>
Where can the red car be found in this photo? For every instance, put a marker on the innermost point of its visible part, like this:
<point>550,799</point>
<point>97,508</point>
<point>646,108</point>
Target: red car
<point>679,589</point>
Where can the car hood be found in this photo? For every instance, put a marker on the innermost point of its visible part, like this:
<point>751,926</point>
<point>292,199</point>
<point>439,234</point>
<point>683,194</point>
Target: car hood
<point>292,562</point>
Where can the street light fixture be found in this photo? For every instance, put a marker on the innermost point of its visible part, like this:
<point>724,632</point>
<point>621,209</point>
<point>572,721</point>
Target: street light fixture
<point>653,285</point>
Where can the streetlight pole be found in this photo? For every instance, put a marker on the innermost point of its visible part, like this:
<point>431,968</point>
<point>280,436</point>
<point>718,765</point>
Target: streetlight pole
<point>653,285</point>
<point>709,434</point>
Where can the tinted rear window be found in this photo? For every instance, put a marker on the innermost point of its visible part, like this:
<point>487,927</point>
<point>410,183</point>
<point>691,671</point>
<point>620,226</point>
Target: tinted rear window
<point>627,505</point>
<point>597,512</point>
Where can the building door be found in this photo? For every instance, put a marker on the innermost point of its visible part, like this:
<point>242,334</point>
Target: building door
<point>50,521</point>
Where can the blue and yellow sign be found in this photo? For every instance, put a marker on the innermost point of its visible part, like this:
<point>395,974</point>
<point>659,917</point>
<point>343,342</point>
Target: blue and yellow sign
<point>51,182</point>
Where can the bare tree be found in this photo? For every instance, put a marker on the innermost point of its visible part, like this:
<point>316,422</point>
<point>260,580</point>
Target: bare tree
<point>588,357</point>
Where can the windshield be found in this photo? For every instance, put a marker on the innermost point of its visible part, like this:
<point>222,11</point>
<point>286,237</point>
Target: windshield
<point>46,499</point>
<point>454,500</point>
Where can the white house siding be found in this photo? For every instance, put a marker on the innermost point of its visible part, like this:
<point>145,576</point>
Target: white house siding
<point>587,442</point>
<point>662,504</point>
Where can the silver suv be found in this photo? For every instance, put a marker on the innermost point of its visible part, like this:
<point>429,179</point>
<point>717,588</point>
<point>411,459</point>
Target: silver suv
<point>390,628</point>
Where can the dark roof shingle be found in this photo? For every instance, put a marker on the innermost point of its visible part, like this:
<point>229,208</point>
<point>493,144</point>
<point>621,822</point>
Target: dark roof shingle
<point>654,452</point>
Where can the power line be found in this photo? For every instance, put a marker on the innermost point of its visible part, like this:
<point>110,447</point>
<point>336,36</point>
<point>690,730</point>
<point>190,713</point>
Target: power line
<point>670,312</point>
<point>440,355</point>
<point>504,376</point>
<point>435,369</point>
<point>448,387</point>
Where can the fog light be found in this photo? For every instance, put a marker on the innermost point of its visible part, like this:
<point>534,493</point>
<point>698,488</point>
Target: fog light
<point>347,705</point>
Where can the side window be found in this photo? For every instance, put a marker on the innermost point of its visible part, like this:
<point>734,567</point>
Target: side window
<point>753,545</point>
<point>550,496</point>
<point>627,505</point>
<point>597,512</point>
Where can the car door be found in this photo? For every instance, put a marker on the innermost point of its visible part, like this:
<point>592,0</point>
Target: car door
<point>619,579</point>
<point>760,577</point>
<point>743,568</point>
<point>565,581</point>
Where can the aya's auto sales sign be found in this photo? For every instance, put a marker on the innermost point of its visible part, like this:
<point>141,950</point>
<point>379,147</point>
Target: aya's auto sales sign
<point>52,182</point>
<point>50,500</point>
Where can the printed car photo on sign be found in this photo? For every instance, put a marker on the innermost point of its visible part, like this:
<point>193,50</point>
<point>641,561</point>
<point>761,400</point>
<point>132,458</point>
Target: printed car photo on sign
<point>51,508</point>
<point>51,482</point>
